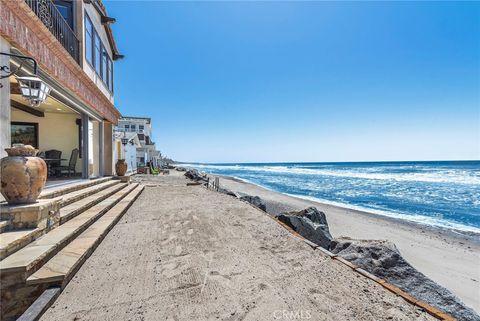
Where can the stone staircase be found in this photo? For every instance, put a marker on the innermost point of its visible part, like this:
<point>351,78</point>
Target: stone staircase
<point>35,258</point>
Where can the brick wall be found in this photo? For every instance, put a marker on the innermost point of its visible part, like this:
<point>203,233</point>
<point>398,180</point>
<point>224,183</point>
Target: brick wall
<point>24,30</point>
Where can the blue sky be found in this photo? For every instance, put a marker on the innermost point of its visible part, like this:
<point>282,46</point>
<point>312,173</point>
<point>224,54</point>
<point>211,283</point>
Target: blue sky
<point>302,81</point>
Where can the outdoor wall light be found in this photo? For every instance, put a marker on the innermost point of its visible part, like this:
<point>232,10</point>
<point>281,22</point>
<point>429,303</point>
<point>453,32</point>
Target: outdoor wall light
<point>33,89</point>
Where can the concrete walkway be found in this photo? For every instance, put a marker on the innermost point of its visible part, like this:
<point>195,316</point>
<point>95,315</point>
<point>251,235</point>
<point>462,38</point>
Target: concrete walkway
<point>187,253</point>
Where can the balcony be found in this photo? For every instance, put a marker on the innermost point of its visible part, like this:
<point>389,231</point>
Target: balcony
<point>48,13</point>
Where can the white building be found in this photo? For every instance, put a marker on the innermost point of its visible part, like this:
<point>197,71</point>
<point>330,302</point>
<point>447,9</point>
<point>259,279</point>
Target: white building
<point>128,152</point>
<point>142,126</point>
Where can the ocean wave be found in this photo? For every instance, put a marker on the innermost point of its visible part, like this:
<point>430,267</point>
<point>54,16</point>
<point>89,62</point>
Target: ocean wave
<point>420,219</point>
<point>444,195</point>
<point>437,176</point>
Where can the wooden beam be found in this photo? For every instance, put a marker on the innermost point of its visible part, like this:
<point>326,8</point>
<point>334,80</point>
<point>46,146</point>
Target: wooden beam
<point>107,20</point>
<point>27,109</point>
<point>15,89</point>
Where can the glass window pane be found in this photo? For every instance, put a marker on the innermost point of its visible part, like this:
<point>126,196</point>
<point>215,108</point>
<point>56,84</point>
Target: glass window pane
<point>104,65</point>
<point>88,40</point>
<point>110,69</point>
<point>98,51</point>
<point>66,10</point>
<point>108,73</point>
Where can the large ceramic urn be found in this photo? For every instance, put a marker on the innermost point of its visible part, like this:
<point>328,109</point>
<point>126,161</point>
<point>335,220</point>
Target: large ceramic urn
<point>23,175</point>
<point>121,167</point>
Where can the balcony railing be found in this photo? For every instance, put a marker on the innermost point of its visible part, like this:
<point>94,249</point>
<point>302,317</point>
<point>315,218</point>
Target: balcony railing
<point>54,21</point>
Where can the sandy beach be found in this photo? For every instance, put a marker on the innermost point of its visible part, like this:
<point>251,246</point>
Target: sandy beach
<point>449,258</point>
<point>188,253</point>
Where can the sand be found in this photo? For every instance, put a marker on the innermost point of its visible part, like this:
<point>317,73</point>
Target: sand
<point>448,258</point>
<point>188,253</point>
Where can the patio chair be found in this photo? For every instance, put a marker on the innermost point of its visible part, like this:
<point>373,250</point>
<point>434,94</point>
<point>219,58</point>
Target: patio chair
<point>70,168</point>
<point>54,154</point>
<point>53,157</point>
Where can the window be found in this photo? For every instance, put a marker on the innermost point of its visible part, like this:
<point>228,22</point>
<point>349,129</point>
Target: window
<point>104,66</point>
<point>97,53</point>
<point>110,74</point>
<point>66,10</point>
<point>134,127</point>
<point>24,133</point>
<point>141,128</point>
<point>88,40</point>
<point>127,127</point>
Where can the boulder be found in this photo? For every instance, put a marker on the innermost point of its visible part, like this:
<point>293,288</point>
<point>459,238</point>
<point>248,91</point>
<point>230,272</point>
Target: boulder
<point>193,174</point>
<point>256,201</point>
<point>181,169</point>
<point>226,191</point>
<point>382,259</point>
<point>309,223</point>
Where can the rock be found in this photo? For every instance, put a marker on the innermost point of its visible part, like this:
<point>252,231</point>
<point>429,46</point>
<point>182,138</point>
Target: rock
<point>309,223</point>
<point>256,201</point>
<point>226,191</point>
<point>193,174</point>
<point>382,259</point>
<point>181,169</point>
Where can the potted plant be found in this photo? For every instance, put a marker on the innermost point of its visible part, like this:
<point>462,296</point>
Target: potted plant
<point>23,174</point>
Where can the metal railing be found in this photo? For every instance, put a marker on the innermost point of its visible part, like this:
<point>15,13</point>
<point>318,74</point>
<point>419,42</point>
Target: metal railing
<point>54,21</point>
<point>129,130</point>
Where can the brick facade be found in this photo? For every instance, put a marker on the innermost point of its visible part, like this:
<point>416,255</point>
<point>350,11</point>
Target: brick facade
<point>24,30</point>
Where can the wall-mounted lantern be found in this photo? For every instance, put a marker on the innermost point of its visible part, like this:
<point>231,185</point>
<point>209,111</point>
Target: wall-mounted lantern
<point>33,89</point>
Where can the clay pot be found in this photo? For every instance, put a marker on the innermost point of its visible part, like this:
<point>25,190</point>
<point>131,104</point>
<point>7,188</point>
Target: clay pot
<point>23,175</point>
<point>121,167</point>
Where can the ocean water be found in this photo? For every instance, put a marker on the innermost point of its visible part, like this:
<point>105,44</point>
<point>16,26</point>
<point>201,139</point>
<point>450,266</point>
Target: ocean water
<point>443,193</point>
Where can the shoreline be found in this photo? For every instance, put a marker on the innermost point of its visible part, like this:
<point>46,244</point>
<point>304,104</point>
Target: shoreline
<point>455,232</point>
<point>448,257</point>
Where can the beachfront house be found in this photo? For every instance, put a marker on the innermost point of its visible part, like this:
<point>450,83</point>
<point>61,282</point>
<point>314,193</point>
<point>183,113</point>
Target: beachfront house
<point>125,147</point>
<point>143,127</point>
<point>73,44</point>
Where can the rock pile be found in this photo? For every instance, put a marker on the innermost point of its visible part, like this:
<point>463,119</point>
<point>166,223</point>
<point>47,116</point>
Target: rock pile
<point>195,175</point>
<point>255,201</point>
<point>226,191</point>
<point>309,223</point>
<point>382,258</point>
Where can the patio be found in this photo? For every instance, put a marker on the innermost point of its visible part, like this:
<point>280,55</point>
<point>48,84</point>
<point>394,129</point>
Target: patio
<point>56,130</point>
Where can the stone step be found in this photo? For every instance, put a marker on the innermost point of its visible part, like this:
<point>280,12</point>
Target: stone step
<point>65,263</point>
<point>12,241</point>
<point>35,254</point>
<point>75,208</point>
<point>82,193</point>
<point>62,190</point>
<point>4,225</point>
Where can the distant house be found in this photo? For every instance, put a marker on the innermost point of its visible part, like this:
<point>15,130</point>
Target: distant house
<point>126,149</point>
<point>143,127</point>
<point>73,43</point>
